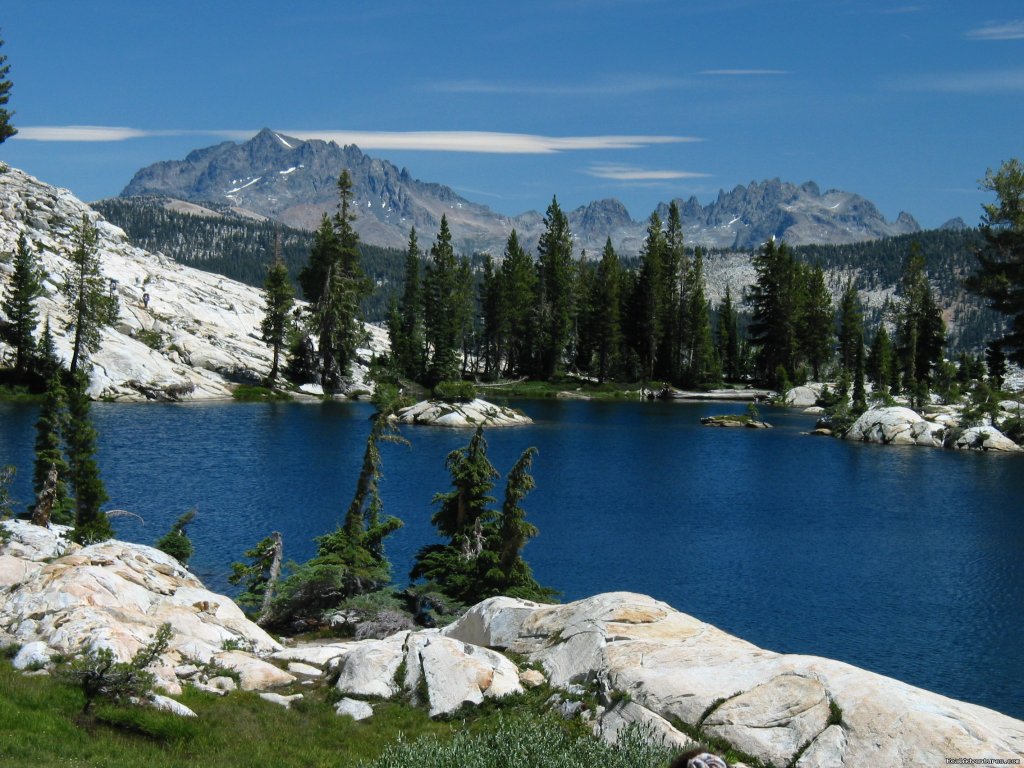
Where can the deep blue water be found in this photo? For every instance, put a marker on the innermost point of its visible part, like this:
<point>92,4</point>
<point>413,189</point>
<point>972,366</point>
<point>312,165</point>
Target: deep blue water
<point>905,561</point>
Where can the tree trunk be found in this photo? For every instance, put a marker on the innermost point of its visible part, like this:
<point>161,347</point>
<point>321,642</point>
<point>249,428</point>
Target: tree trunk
<point>277,548</point>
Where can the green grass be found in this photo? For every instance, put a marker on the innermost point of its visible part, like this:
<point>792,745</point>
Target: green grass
<point>17,393</point>
<point>548,389</point>
<point>41,725</point>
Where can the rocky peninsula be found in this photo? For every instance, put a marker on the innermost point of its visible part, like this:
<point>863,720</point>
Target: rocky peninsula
<point>637,659</point>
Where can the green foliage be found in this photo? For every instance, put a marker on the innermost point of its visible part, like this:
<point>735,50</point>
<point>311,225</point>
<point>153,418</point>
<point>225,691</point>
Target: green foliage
<point>554,292</point>
<point>921,332</point>
<point>279,297</point>
<point>254,576</point>
<point>482,556</point>
<point>49,457</point>
<point>26,285</point>
<point>91,525</point>
<point>454,391</point>
<point>176,542</point>
<point>446,302</point>
<point>151,338</point>
<point>101,676</point>
<point>7,473</point>
<point>91,304</point>
<point>524,740</point>
<point>6,129</point>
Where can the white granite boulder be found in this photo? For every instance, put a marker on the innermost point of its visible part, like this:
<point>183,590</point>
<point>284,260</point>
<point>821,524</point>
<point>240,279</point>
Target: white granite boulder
<point>985,439</point>
<point>462,414</point>
<point>768,704</point>
<point>896,425</point>
<point>803,396</point>
<point>354,708</point>
<point>116,595</point>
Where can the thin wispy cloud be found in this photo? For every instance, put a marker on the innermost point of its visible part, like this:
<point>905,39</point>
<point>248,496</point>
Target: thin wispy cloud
<point>1011,30</point>
<point>991,81</point>
<point>429,141</point>
<point>744,72</point>
<point>617,172</point>
<point>614,87</point>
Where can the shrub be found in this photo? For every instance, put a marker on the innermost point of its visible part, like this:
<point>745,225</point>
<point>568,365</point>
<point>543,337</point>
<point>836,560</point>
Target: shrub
<point>176,542</point>
<point>454,391</point>
<point>101,677</point>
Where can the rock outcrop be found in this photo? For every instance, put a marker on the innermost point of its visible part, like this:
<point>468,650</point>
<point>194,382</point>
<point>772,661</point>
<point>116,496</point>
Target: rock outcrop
<point>896,425</point>
<point>461,414</point>
<point>676,668</point>
<point>181,333</point>
<point>985,439</point>
<point>66,599</point>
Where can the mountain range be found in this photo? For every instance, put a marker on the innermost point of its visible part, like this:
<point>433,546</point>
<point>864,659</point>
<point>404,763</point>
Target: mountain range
<point>293,181</point>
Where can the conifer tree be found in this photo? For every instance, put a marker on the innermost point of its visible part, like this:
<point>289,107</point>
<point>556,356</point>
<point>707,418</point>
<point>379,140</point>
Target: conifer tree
<point>880,366</point>
<point>774,302</point>
<point>1000,274</point>
<point>851,325</point>
<point>729,337</point>
<point>6,129</point>
<point>675,309</point>
<point>554,291</point>
<point>860,400</point>
<point>176,542</point>
<point>492,311</point>
<point>408,344</point>
<point>816,321</point>
<point>442,315</point>
<point>50,470</point>
<point>606,297</point>
<point>91,525</point>
<point>278,296</point>
<point>921,330</point>
<point>19,304</point>
<point>649,315</point>
<point>701,366</point>
<point>519,297</point>
<point>91,301</point>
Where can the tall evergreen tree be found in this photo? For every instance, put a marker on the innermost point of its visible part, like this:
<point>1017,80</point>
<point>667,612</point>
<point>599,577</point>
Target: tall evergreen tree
<point>676,334</point>
<point>492,312</point>
<point>50,470</point>
<point>774,302</point>
<point>408,345</point>
<point>606,298</point>
<point>19,304</point>
<point>554,293</point>
<point>729,338</point>
<point>921,330</point>
<point>519,297</point>
<point>6,129</point>
<point>851,325</point>
<point>648,301</point>
<point>91,301</point>
<point>91,524</point>
<point>816,321</point>
<point>278,296</point>
<point>880,366</point>
<point>442,316</point>
<point>1000,274</point>
<point>701,366</point>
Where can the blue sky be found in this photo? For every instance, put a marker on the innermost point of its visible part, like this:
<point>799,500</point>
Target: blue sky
<point>512,102</point>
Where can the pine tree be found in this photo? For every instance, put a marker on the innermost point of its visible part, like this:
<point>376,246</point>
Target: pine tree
<point>676,334</point>
<point>91,525</point>
<point>606,297</point>
<point>729,338</point>
<point>519,297</point>
<point>921,330</point>
<point>1000,274</point>
<point>176,542</point>
<point>650,293</point>
<point>279,296</point>
<point>816,321</point>
<point>554,292</point>
<point>91,302</point>
<point>19,304</point>
<point>493,316</point>
<point>6,129</point>
<point>408,345</point>
<point>774,301</point>
<point>442,316</point>
<point>701,367</point>
<point>880,366</point>
<point>860,400</point>
<point>50,470</point>
<point>851,325</point>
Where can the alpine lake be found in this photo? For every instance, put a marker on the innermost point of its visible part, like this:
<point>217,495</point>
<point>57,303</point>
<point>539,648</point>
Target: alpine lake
<point>906,561</point>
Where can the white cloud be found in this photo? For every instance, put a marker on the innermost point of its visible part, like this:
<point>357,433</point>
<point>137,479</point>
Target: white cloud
<point>1011,30</point>
<point>484,141</point>
<point>431,141</point>
<point>744,72</point>
<point>615,87</point>
<point>629,173</point>
<point>992,81</point>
